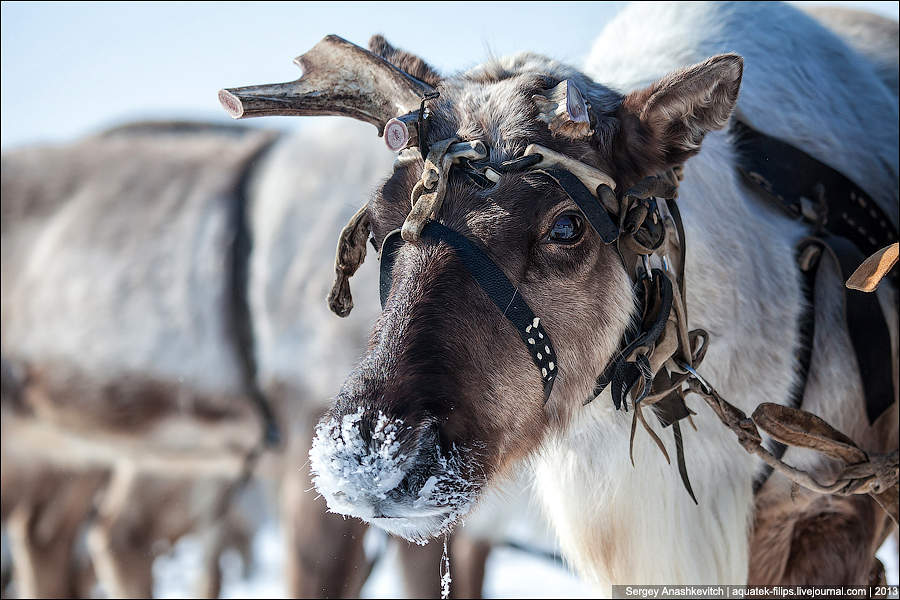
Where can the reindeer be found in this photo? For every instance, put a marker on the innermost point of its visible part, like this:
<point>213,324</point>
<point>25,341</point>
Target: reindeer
<point>482,255</point>
<point>169,435</point>
<point>46,509</point>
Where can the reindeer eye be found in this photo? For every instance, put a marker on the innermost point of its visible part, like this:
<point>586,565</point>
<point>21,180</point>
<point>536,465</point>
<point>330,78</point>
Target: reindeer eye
<point>567,229</point>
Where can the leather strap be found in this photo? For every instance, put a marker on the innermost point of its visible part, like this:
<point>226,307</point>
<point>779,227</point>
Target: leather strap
<point>868,332</point>
<point>810,189</point>
<point>809,266</point>
<point>495,284</point>
<point>624,371</point>
<point>593,210</point>
<point>388,255</point>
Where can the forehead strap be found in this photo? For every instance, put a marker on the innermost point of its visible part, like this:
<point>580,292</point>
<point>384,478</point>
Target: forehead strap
<point>495,284</point>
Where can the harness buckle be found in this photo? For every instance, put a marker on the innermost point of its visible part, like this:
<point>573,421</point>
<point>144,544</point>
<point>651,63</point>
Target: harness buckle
<point>428,193</point>
<point>665,263</point>
<point>648,271</point>
<point>689,369</point>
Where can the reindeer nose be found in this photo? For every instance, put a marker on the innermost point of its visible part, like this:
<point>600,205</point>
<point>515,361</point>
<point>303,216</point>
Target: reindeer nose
<point>360,459</point>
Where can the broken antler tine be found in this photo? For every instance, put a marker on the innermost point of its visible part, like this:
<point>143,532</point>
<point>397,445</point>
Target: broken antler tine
<point>259,100</point>
<point>339,78</point>
<point>565,111</point>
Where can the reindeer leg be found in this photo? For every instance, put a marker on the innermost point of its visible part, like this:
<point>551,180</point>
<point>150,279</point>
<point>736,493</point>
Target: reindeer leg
<point>119,542</point>
<point>421,568</point>
<point>41,569</point>
<point>324,554</point>
<point>468,558</point>
<point>43,529</point>
<point>210,581</point>
<point>232,532</point>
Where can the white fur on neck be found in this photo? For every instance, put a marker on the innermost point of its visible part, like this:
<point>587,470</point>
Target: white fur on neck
<point>622,524</point>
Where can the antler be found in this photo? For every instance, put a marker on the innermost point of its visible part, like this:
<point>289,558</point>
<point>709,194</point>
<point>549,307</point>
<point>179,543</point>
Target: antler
<point>339,78</point>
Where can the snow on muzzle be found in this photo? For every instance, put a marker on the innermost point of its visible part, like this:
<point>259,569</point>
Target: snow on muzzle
<point>391,474</point>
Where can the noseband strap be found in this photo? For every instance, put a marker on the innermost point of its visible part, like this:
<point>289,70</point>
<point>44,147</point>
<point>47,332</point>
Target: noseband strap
<point>491,278</point>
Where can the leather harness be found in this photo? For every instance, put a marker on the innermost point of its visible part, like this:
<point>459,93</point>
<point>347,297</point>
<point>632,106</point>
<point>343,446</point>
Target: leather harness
<point>658,356</point>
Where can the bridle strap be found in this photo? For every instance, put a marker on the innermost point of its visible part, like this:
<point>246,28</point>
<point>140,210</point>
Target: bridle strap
<point>491,278</point>
<point>593,210</point>
<point>388,255</point>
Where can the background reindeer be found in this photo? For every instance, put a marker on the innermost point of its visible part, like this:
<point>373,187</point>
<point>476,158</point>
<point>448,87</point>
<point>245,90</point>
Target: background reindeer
<point>122,446</point>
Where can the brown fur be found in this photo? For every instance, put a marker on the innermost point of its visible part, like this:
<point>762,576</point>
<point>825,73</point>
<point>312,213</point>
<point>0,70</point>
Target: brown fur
<point>406,62</point>
<point>43,510</point>
<point>804,538</point>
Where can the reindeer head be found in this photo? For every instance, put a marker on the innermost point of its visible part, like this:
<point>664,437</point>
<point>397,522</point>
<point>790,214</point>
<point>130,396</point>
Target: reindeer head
<point>455,384</point>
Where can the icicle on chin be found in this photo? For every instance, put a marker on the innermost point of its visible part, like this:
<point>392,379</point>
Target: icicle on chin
<point>445,570</point>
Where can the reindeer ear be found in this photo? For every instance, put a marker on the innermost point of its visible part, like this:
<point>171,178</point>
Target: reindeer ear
<point>676,112</point>
<point>403,60</point>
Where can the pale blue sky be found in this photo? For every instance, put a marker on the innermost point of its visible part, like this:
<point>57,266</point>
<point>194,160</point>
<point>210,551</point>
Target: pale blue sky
<point>70,68</point>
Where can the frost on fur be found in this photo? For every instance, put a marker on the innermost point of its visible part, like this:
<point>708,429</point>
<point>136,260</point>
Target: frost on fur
<point>349,472</point>
<point>423,495</point>
<point>450,488</point>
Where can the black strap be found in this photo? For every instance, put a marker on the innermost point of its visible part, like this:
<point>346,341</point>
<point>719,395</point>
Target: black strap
<point>591,208</point>
<point>788,176</point>
<point>495,284</point>
<point>868,331</point>
<point>388,255</point>
<point>682,464</point>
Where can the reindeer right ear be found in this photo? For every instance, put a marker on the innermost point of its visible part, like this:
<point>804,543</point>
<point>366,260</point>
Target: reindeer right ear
<point>403,60</point>
<point>667,121</point>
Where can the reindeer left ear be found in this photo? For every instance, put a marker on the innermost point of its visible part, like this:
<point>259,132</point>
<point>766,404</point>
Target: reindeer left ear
<point>677,111</point>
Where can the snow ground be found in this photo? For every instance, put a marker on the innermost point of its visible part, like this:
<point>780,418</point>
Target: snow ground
<point>510,573</point>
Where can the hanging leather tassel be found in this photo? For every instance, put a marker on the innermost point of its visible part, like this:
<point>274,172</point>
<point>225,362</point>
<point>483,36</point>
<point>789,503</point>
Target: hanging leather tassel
<point>351,252</point>
<point>682,465</point>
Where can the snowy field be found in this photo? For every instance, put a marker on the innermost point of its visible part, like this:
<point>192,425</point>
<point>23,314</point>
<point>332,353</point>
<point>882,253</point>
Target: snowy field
<point>510,573</point>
